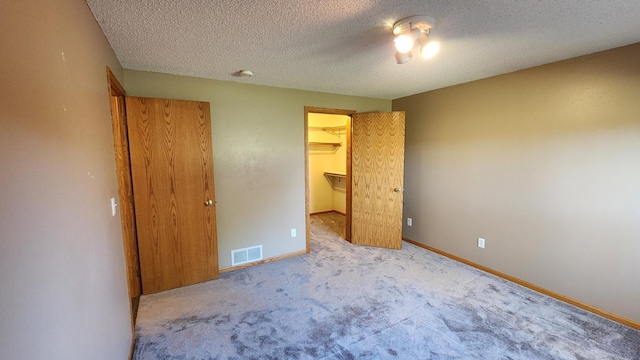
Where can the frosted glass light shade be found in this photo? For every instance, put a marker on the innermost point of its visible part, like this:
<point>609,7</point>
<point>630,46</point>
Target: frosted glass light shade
<point>404,42</point>
<point>430,49</point>
<point>403,58</point>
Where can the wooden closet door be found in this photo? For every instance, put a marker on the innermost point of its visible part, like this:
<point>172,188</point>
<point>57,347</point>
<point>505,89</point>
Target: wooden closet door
<point>377,177</point>
<point>172,167</point>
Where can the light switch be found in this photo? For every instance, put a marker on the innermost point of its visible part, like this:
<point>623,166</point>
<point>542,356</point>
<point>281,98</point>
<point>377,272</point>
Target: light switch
<point>113,206</point>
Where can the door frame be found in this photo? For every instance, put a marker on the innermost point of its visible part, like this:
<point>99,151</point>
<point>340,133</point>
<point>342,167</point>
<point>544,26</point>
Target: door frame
<point>130,245</point>
<point>320,110</point>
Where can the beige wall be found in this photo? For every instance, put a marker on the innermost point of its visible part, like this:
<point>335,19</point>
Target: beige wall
<point>323,196</point>
<point>545,164</point>
<point>62,272</point>
<point>258,148</point>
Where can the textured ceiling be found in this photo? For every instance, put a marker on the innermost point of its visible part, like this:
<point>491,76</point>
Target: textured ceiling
<point>346,46</point>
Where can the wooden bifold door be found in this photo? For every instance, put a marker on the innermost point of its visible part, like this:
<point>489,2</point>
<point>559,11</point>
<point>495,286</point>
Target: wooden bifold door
<point>173,187</point>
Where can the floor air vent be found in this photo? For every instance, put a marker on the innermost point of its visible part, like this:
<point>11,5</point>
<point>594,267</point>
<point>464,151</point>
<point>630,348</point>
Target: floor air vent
<point>246,255</point>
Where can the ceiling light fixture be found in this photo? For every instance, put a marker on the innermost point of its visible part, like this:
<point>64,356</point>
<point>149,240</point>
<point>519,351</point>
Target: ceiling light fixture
<point>412,29</point>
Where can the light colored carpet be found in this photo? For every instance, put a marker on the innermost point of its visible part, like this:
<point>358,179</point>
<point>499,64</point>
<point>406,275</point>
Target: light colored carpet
<point>353,302</point>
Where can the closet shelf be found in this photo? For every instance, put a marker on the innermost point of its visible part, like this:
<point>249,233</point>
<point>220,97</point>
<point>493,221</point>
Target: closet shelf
<point>314,143</point>
<point>335,130</point>
<point>335,178</point>
<point>337,174</point>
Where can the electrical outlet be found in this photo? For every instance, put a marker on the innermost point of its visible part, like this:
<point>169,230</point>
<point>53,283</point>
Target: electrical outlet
<point>293,233</point>
<point>481,243</point>
<point>409,222</point>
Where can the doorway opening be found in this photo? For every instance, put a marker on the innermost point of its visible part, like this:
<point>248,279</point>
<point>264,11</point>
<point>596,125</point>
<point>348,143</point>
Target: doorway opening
<point>328,169</point>
<point>374,176</point>
<point>328,165</point>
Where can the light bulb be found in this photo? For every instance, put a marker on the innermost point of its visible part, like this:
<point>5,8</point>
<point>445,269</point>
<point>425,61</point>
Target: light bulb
<point>404,42</point>
<point>430,49</point>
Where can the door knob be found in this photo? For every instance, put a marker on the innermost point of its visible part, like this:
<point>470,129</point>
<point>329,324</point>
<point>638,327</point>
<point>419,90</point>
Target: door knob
<point>208,203</point>
<point>397,189</point>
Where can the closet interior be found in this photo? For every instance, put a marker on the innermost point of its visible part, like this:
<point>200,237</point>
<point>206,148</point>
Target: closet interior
<point>327,163</point>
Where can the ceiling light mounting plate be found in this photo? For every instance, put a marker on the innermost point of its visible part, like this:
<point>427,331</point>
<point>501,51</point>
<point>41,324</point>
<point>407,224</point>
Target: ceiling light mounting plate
<point>422,22</point>
<point>245,73</point>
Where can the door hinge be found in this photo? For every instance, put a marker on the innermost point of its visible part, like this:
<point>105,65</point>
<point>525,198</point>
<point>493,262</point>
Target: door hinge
<point>138,274</point>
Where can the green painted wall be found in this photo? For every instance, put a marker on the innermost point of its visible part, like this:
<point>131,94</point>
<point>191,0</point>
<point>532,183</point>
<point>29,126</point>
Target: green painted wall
<point>258,148</point>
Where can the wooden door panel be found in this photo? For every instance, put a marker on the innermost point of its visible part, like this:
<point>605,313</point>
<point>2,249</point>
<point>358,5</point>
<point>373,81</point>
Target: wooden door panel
<point>377,170</point>
<point>172,166</point>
